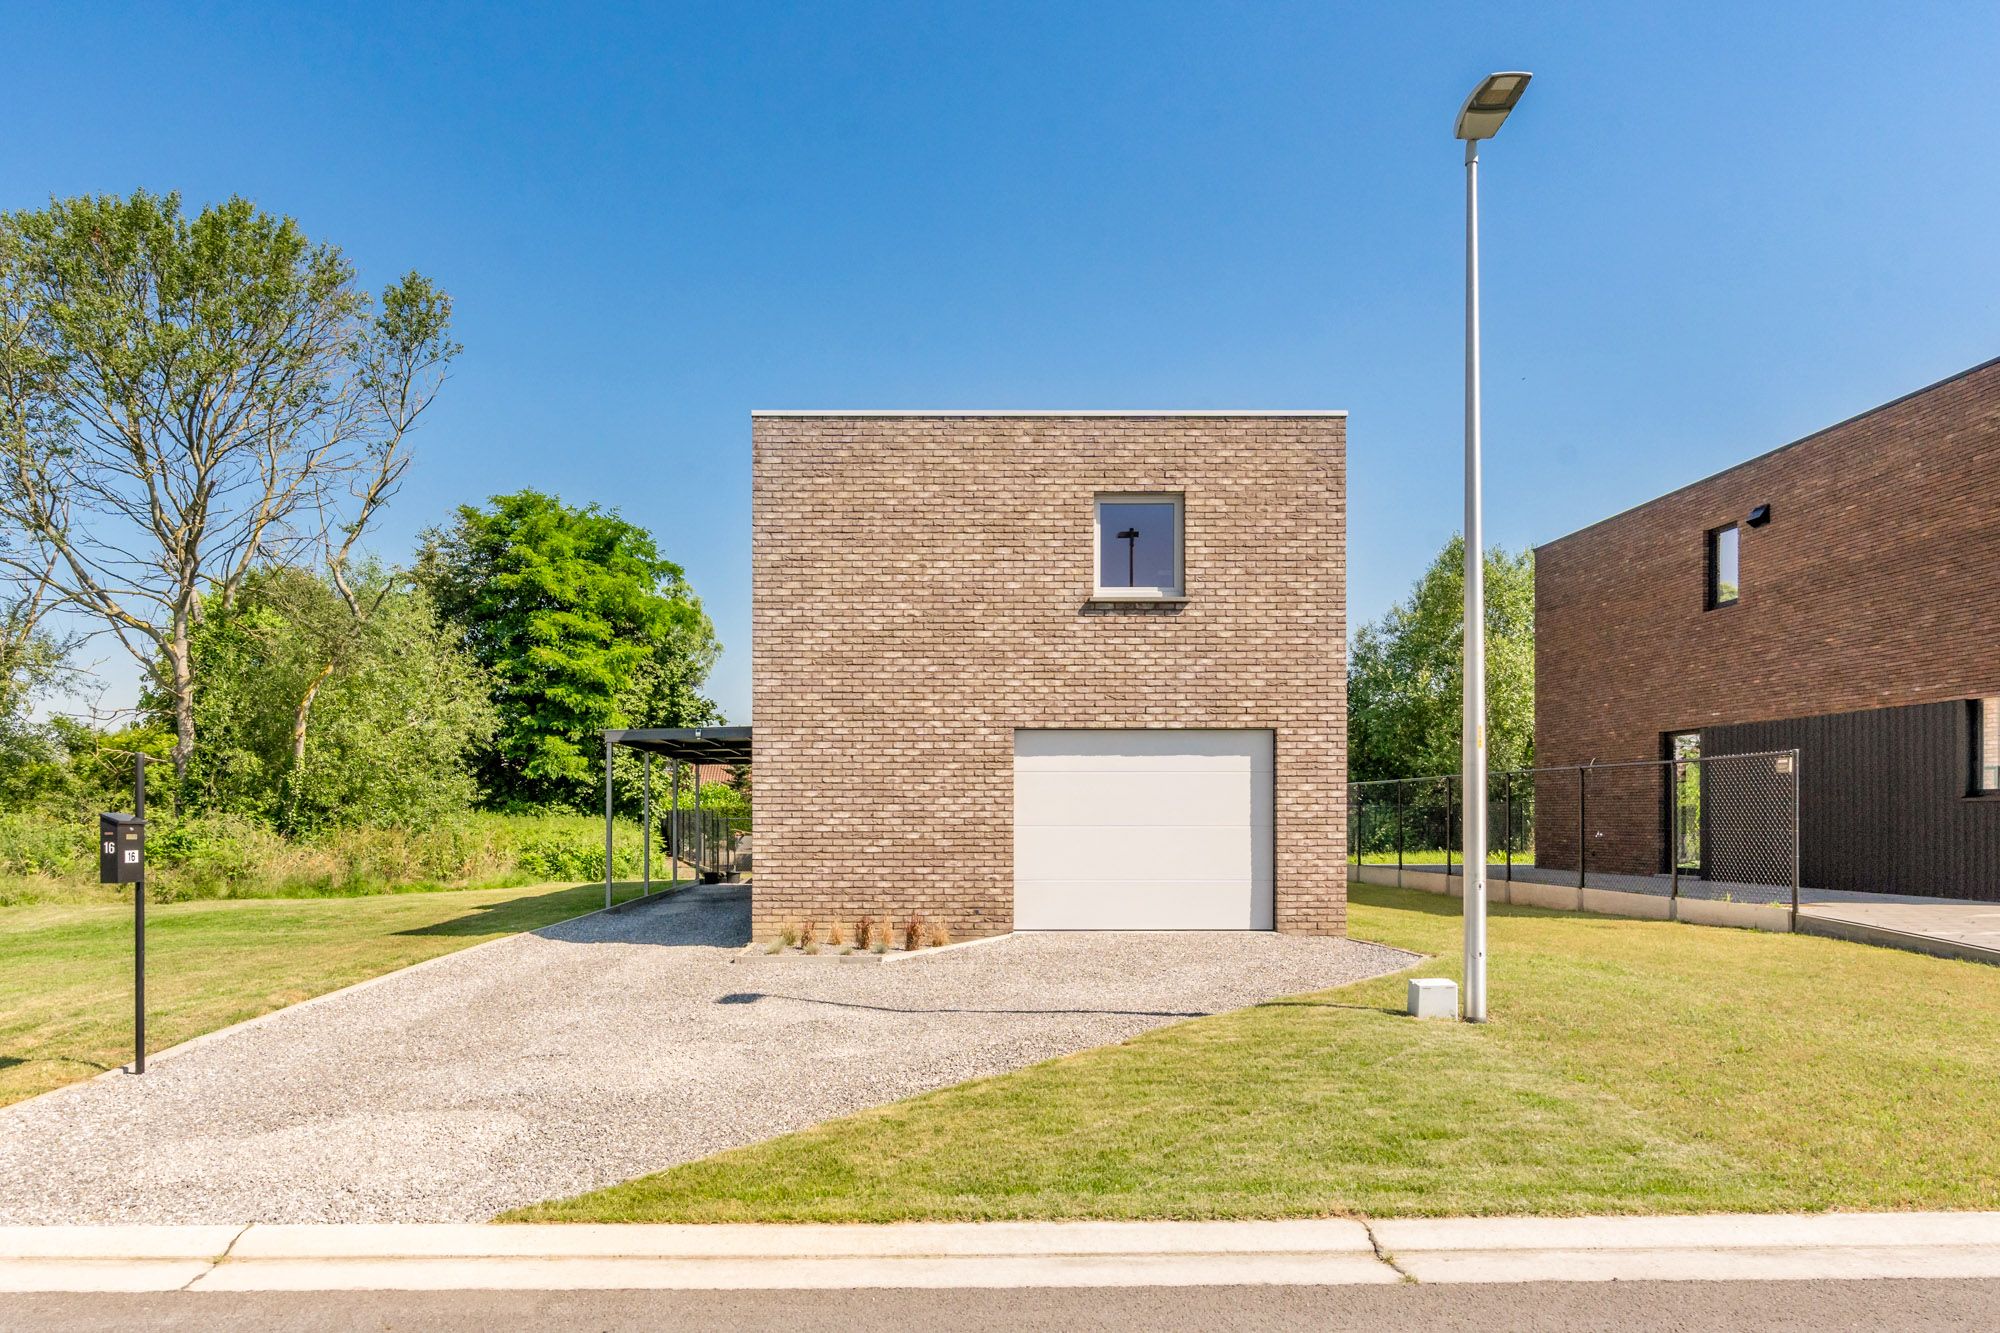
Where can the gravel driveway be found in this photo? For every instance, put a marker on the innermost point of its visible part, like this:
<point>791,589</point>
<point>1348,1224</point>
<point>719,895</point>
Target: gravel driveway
<point>590,1052</point>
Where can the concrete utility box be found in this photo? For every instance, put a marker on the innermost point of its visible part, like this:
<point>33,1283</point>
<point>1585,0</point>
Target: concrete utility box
<point>1433,997</point>
<point>121,849</point>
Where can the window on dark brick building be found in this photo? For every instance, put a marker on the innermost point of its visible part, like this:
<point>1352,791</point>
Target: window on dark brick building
<point>1723,584</point>
<point>1986,746</point>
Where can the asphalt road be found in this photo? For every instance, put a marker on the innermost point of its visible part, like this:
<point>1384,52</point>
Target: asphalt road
<point>1712,1307</point>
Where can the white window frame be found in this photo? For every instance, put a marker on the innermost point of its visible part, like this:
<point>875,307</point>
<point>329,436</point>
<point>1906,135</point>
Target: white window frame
<point>1100,593</point>
<point>1985,711</point>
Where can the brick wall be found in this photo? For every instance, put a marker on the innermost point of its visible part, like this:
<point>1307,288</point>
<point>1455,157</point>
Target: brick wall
<point>1873,585</point>
<point>921,588</point>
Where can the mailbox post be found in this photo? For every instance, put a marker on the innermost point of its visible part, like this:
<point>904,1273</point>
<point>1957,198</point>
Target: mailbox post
<point>122,849</point>
<point>121,859</point>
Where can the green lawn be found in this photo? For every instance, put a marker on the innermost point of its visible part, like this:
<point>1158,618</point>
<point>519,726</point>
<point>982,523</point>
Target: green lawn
<point>66,969</point>
<point>1631,1067</point>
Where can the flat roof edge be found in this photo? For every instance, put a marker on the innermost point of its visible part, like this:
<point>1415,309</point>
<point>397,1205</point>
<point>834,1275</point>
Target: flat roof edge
<point>1046,412</point>
<point>694,744</point>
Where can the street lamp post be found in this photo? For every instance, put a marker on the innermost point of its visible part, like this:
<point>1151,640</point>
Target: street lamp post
<point>1480,118</point>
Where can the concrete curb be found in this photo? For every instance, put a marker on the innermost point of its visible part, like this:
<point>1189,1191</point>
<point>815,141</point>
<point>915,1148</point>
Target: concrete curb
<point>932,952</point>
<point>758,952</point>
<point>1330,1251</point>
<point>672,889</point>
<point>1603,902</point>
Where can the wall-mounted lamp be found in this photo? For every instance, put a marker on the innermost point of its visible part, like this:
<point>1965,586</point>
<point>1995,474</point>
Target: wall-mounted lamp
<point>1760,516</point>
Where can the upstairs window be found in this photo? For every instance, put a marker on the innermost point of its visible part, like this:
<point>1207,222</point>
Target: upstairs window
<point>1138,546</point>
<point>1723,587</point>
<point>1986,746</point>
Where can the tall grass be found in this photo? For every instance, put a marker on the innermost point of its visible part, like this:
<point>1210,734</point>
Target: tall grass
<point>43,859</point>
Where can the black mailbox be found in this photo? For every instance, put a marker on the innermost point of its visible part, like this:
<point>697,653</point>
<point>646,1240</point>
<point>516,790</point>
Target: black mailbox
<point>121,849</point>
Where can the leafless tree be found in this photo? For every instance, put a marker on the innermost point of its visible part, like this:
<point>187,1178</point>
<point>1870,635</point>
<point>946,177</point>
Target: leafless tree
<point>185,399</point>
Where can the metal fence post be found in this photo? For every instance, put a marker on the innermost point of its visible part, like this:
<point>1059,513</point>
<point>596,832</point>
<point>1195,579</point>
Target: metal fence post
<point>1797,781</point>
<point>1399,835</point>
<point>1507,816</point>
<point>1674,845</point>
<point>1582,826</point>
<point>1447,835</point>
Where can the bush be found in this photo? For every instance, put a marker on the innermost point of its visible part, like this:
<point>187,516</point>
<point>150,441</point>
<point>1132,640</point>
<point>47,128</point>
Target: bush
<point>213,857</point>
<point>49,856</point>
<point>559,853</point>
<point>32,845</point>
<point>723,799</point>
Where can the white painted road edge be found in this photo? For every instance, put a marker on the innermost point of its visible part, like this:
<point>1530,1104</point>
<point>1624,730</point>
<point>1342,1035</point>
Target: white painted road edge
<point>998,1254</point>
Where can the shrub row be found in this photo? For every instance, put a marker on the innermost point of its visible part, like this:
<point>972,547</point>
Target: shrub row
<point>230,856</point>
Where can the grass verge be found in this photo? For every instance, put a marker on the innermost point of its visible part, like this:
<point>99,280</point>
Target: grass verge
<point>1631,1067</point>
<point>66,969</point>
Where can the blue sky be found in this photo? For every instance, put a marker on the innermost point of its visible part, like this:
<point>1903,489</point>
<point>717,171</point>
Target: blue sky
<point>1708,229</point>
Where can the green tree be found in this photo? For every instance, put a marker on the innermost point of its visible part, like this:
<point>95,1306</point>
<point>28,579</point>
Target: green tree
<point>1406,671</point>
<point>723,798</point>
<point>186,399</point>
<point>33,658</point>
<point>581,625</point>
<point>398,713</point>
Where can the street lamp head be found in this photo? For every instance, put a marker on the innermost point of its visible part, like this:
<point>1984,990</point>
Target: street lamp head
<point>1484,111</point>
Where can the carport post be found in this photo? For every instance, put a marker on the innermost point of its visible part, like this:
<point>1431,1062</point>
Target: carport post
<point>607,821</point>
<point>646,827</point>
<point>700,833</point>
<point>674,828</point>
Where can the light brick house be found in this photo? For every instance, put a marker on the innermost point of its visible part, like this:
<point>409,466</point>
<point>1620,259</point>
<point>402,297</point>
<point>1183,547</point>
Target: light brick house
<point>1050,670</point>
<point>1837,596</point>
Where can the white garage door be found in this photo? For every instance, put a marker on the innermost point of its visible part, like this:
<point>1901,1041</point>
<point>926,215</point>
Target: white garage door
<point>1142,830</point>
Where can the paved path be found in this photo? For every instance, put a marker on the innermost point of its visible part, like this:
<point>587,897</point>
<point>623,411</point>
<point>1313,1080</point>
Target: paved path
<point>1974,925</point>
<point>591,1052</point>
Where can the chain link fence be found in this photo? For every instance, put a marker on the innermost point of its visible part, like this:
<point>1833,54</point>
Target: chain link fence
<point>1721,826</point>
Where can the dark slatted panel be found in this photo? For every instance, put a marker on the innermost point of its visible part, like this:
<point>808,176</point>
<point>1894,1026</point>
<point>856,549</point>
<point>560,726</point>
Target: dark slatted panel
<point>1883,804</point>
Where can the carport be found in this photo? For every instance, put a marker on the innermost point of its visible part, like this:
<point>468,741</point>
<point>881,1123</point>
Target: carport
<point>707,843</point>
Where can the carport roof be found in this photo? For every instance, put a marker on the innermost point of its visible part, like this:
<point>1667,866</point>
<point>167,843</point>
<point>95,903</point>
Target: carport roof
<point>699,745</point>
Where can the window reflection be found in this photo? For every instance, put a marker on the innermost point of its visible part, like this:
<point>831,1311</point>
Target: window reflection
<point>1136,541</point>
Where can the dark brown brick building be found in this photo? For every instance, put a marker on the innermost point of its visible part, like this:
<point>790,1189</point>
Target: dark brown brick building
<point>1839,595</point>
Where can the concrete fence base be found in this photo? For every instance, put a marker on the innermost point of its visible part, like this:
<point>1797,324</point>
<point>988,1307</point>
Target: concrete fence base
<point>1569,898</point>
